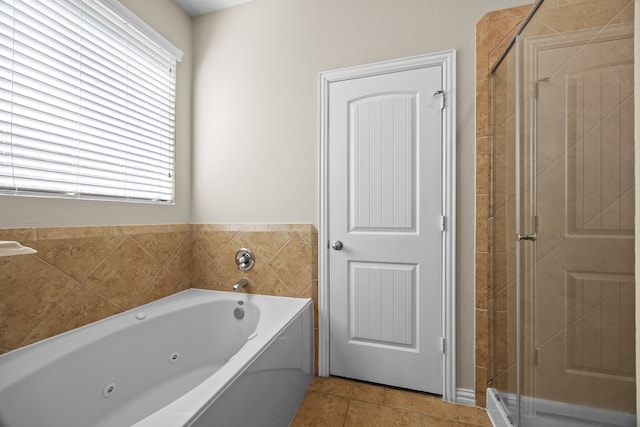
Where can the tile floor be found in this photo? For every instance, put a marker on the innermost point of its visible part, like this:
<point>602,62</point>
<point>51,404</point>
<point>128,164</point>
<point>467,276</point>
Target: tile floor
<point>335,402</point>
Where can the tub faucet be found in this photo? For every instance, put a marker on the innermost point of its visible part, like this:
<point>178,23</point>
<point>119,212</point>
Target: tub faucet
<point>241,284</point>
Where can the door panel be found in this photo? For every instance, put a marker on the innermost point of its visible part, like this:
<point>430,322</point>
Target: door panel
<point>382,305</point>
<point>385,206</point>
<point>382,146</point>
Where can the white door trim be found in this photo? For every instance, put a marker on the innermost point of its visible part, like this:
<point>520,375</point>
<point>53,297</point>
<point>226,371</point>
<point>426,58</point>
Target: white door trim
<point>446,59</point>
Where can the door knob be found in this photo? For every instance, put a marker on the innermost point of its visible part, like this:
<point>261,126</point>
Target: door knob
<point>337,245</point>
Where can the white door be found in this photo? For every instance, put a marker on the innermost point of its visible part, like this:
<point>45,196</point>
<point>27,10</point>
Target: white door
<point>385,142</point>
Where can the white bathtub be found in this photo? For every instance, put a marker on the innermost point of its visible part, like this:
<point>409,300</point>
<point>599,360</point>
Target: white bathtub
<point>185,360</point>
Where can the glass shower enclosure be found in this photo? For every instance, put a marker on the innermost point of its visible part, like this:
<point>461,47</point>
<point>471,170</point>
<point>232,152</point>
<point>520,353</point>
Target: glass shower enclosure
<point>563,344</point>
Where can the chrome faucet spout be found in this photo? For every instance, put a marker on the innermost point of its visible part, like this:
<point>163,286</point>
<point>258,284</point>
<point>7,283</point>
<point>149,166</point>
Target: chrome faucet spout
<point>241,284</point>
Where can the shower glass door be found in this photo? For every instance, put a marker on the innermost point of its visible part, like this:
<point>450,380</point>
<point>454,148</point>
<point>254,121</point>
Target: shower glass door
<point>504,330</point>
<point>574,215</point>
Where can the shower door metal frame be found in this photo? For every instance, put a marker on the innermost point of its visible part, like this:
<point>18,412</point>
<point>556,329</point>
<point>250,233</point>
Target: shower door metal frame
<point>525,205</point>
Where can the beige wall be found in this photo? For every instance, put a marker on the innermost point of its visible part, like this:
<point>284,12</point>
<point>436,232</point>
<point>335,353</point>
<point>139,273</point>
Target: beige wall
<point>256,108</point>
<point>175,25</point>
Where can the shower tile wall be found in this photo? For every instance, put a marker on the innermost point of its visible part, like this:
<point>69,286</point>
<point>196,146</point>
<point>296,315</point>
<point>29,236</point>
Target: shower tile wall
<point>503,301</point>
<point>579,312</point>
<point>84,274</point>
<point>493,34</point>
<point>573,313</point>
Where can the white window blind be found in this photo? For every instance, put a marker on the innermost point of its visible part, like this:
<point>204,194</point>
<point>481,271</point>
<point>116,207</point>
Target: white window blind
<point>87,102</point>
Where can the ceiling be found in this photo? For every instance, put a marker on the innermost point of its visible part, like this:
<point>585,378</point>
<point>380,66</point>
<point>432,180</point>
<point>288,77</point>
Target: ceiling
<point>200,7</point>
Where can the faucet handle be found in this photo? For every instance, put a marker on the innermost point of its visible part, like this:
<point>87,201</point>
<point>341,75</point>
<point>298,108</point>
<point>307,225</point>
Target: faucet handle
<point>244,259</point>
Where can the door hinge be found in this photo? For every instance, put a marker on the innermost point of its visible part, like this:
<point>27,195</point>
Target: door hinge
<point>442,98</point>
<point>443,223</point>
<point>443,345</point>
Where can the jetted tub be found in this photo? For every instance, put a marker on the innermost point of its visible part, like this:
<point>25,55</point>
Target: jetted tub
<point>197,358</point>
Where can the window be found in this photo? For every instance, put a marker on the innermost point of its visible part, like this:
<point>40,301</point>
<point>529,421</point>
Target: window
<point>87,102</point>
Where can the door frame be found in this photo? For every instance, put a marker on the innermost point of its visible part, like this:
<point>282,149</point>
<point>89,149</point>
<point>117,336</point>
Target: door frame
<point>447,60</point>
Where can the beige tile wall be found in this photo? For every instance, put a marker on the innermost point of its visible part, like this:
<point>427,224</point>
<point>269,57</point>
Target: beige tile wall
<point>493,34</point>
<point>286,260</point>
<point>83,274</point>
<point>574,317</point>
<point>502,301</point>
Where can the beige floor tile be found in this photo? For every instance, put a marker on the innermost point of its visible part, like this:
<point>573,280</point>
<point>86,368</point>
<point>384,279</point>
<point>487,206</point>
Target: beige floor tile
<point>429,421</point>
<point>347,388</point>
<point>341,402</point>
<point>473,415</point>
<point>420,402</point>
<point>321,409</point>
<point>369,414</point>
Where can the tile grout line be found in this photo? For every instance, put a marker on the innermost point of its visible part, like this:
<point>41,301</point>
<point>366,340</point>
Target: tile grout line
<point>425,418</point>
<point>344,420</point>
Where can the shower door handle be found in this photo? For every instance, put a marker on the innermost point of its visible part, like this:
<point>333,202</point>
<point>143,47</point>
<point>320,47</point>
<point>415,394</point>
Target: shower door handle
<point>531,237</point>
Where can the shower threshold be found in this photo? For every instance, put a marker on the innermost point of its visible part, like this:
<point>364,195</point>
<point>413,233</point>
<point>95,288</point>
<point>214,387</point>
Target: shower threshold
<point>547,413</point>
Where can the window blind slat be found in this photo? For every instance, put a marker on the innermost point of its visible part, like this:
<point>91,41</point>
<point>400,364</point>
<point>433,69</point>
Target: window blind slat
<point>87,103</point>
<point>26,125</point>
<point>87,170</point>
<point>72,153</point>
<point>33,86</point>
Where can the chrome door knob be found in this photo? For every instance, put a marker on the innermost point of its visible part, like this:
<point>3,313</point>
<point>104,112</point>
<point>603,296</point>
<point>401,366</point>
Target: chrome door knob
<point>337,245</point>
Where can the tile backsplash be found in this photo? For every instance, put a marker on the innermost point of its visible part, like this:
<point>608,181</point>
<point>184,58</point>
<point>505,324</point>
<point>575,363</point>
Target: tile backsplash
<point>285,258</point>
<point>84,274</point>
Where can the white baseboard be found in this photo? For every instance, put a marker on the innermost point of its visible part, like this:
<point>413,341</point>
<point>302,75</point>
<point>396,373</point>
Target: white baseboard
<point>465,396</point>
